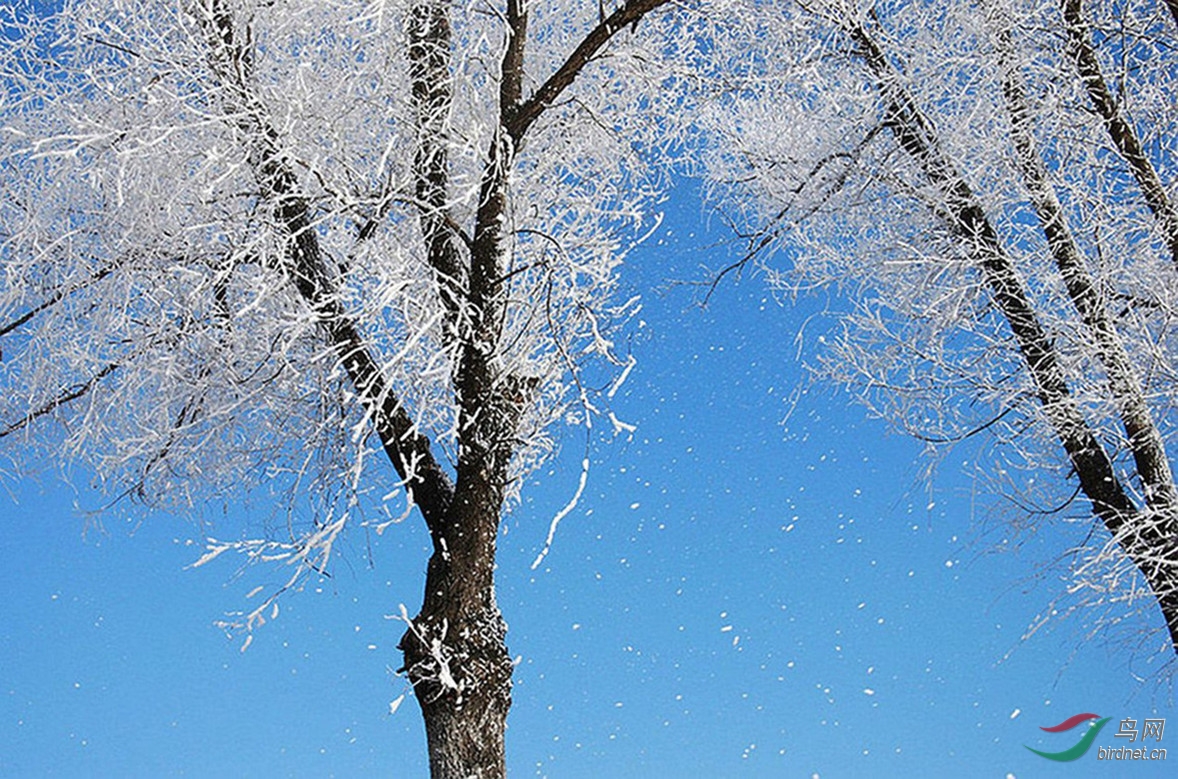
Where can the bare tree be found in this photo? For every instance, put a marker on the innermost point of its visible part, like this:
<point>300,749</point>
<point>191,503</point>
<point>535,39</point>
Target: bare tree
<point>993,186</point>
<point>255,244</point>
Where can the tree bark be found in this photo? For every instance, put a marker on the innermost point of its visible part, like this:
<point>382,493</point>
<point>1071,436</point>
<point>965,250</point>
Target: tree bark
<point>455,650</point>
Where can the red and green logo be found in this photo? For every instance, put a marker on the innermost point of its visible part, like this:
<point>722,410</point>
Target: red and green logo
<point>1082,745</point>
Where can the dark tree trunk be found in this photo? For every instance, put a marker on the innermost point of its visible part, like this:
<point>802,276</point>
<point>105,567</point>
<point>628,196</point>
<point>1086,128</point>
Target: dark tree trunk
<point>455,651</point>
<point>455,648</point>
<point>1154,528</point>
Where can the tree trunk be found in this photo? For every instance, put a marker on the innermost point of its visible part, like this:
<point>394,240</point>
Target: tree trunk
<point>454,649</point>
<point>1154,528</point>
<point>455,653</point>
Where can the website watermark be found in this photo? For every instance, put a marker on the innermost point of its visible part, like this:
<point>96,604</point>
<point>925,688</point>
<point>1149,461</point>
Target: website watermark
<point>1129,753</point>
<point>1151,728</point>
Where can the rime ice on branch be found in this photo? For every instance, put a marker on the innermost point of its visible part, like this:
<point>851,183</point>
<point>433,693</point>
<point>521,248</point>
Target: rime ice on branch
<point>998,203</point>
<point>334,251</point>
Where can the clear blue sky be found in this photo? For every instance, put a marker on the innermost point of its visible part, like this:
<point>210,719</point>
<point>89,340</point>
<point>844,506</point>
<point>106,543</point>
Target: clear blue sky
<point>734,597</point>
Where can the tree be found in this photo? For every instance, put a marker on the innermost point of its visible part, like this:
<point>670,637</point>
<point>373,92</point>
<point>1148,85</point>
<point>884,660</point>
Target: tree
<point>253,245</point>
<point>993,185</point>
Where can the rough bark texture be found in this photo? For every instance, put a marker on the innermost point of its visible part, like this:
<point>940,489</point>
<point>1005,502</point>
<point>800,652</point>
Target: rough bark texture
<point>1145,536</point>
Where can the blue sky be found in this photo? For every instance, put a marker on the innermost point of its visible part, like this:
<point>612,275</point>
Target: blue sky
<point>734,596</point>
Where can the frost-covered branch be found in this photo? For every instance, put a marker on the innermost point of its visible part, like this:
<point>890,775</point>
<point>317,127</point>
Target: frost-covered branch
<point>66,395</point>
<point>1120,131</point>
<point>630,13</point>
<point>983,245</point>
<point>1145,440</point>
<point>408,450</point>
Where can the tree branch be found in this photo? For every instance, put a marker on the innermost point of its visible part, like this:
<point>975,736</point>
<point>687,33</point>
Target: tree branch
<point>968,220</point>
<point>408,450</point>
<point>1145,440</point>
<point>512,67</point>
<point>67,394</point>
<point>631,13</point>
<point>1123,136</point>
<point>56,298</point>
<point>1141,537</point>
<point>432,98</point>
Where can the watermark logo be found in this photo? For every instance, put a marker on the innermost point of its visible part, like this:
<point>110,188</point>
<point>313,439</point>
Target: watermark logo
<point>1082,746</point>
<point>1150,728</point>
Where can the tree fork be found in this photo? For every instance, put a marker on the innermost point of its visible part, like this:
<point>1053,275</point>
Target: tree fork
<point>455,651</point>
<point>455,648</point>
